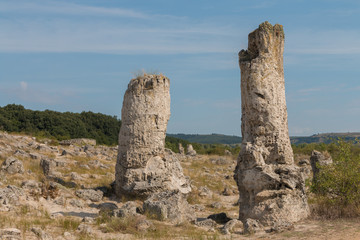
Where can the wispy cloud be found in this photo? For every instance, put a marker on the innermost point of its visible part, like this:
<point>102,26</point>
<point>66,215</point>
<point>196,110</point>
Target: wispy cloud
<point>315,41</point>
<point>24,91</point>
<point>63,8</point>
<point>40,29</point>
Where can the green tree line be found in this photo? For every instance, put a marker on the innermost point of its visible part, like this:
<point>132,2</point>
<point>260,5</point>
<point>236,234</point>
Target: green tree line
<point>68,125</point>
<point>61,126</point>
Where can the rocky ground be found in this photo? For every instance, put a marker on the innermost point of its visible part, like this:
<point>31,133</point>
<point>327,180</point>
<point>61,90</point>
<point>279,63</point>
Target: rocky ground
<point>52,191</point>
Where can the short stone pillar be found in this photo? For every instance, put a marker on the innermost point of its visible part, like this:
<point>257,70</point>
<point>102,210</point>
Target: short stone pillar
<point>143,167</point>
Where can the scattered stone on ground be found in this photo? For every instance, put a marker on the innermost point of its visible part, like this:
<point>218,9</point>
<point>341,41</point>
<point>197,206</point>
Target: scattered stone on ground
<point>12,165</point>
<point>168,205</point>
<point>90,194</point>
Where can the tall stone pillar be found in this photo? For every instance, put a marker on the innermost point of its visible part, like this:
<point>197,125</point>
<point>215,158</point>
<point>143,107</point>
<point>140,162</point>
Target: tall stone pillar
<point>143,166</point>
<point>271,188</point>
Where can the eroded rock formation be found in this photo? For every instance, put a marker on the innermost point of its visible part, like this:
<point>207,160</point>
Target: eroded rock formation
<point>270,185</point>
<point>143,166</point>
<point>190,150</point>
<point>319,160</point>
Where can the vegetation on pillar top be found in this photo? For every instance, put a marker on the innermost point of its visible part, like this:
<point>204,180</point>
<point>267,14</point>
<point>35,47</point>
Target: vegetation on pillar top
<point>277,28</point>
<point>261,40</point>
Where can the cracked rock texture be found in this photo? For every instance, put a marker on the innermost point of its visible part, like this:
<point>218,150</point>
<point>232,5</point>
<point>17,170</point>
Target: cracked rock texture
<point>143,167</point>
<point>271,187</point>
<point>317,160</point>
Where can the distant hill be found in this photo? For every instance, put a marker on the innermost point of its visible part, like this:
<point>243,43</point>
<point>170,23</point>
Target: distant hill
<point>325,137</point>
<point>208,138</point>
<point>226,139</point>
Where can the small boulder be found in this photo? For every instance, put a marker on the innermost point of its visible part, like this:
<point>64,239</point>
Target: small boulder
<point>47,165</point>
<point>216,205</point>
<point>252,226</point>
<point>227,191</point>
<point>46,148</point>
<point>85,229</point>
<point>21,153</point>
<point>106,206</point>
<point>207,223</point>
<point>60,200</point>
<point>143,225</point>
<point>76,203</point>
<point>10,234</point>
<point>35,156</point>
<point>128,209</point>
<point>34,187</point>
<point>41,234</point>
<point>31,184</point>
<point>12,165</point>
<point>205,192</point>
<point>168,205</point>
<point>227,152</point>
<point>90,194</point>
<point>198,207</point>
<point>229,226</point>
<point>74,176</point>
<point>10,195</point>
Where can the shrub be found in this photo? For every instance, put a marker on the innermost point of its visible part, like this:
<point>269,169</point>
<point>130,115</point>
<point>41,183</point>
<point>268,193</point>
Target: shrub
<point>337,186</point>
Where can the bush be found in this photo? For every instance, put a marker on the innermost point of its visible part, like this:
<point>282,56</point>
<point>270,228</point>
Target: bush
<point>337,186</point>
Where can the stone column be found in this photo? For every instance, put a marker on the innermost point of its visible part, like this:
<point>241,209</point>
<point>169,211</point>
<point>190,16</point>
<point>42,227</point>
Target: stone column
<point>143,167</point>
<point>271,188</point>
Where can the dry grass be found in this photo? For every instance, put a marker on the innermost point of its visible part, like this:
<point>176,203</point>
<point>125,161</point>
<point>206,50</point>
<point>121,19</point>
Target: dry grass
<point>180,231</point>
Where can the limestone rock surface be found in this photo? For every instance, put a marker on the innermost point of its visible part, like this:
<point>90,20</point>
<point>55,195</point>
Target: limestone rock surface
<point>90,194</point>
<point>10,234</point>
<point>271,187</point>
<point>168,205</point>
<point>10,195</point>
<point>181,149</point>
<point>317,160</point>
<point>143,166</point>
<point>190,150</point>
<point>127,210</point>
<point>12,165</point>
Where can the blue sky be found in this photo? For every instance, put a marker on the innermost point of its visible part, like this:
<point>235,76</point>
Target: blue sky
<point>80,55</point>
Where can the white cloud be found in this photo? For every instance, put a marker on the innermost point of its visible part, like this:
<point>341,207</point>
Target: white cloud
<point>23,85</point>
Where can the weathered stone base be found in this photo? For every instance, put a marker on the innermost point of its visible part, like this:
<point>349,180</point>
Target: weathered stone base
<point>159,174</point>
<point>169,205</point>
<point>274,195</point>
